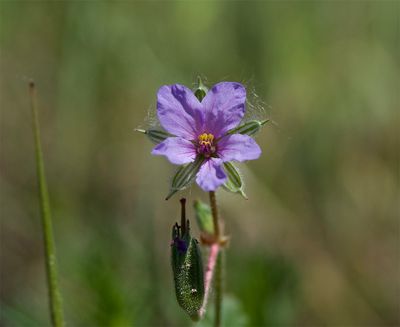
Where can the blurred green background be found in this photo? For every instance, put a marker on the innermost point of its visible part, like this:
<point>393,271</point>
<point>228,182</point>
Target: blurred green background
<point>316,244</point>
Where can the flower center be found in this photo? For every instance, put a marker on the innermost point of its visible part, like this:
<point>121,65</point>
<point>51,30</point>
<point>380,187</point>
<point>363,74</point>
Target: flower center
<point>205,145</point>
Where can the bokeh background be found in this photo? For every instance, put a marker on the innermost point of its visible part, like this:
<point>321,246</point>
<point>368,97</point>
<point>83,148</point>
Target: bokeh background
<point>316,244</point>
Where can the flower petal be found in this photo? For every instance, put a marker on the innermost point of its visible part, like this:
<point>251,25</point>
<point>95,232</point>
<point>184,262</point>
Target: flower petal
<point>211,175</point>
<point>224,107</point>
<point>179,111</point>
<point>178,150</point>
<point>238,147</point>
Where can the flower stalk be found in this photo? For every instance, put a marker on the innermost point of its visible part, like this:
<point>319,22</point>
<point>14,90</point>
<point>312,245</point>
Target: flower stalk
<point>55,301</point>
<point>214,212</point>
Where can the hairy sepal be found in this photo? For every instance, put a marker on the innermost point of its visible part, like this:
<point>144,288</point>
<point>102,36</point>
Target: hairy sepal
<point>155,135</point>
<point>249,128</point>
<point>184,176</point>
<point>234,181</point>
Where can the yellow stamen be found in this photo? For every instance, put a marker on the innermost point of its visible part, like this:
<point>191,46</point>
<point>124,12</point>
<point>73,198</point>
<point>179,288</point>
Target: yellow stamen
<point>206,139</point>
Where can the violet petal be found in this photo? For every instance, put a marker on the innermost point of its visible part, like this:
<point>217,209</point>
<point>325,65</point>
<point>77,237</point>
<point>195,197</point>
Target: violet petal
<point>179,111</point>
<point>211,175</point>
<point>178,150</point>
<point>224,107</point>
<point>238,147</point>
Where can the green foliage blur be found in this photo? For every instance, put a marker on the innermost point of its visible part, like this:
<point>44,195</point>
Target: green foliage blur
<point>316,244</point>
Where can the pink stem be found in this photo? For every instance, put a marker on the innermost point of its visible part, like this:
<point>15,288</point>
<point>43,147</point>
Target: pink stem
<point>212,259</point>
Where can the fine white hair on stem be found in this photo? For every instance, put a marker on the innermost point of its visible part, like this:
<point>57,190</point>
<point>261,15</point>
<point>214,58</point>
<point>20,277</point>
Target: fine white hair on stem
<point>210,268</point>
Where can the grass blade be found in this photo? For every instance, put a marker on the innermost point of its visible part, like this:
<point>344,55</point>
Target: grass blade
<point>57,316</point>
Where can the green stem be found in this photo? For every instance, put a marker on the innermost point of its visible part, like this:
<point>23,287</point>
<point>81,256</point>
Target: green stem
<point>219,264</point>
<point>49,247</point>
<point>214,211</point>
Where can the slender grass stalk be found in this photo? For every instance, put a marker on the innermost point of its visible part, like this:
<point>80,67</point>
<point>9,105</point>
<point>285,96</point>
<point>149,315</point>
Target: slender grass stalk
<point>219,264</point>
<point>57,316</point>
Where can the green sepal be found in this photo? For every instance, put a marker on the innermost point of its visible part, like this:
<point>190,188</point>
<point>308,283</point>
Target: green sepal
<point>155,135</point>
<point>184,176</point>
<point>234,182</point>
<point>201,90</point>
<point>187,268</point>
<point>249,128</point>
<point>204,217</point>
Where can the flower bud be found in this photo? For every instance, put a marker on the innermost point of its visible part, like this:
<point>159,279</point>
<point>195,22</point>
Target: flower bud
<point>201,90</point>
<point>204,217</point>
<point>187,268</point>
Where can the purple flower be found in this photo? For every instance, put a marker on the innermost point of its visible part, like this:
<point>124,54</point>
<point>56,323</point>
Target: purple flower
<point>200,129</point>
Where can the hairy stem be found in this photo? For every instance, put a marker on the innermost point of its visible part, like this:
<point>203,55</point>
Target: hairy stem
<point>218,284</point>
<point>211,263</point>
<point>55,302</point>
<point>218,265</point>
